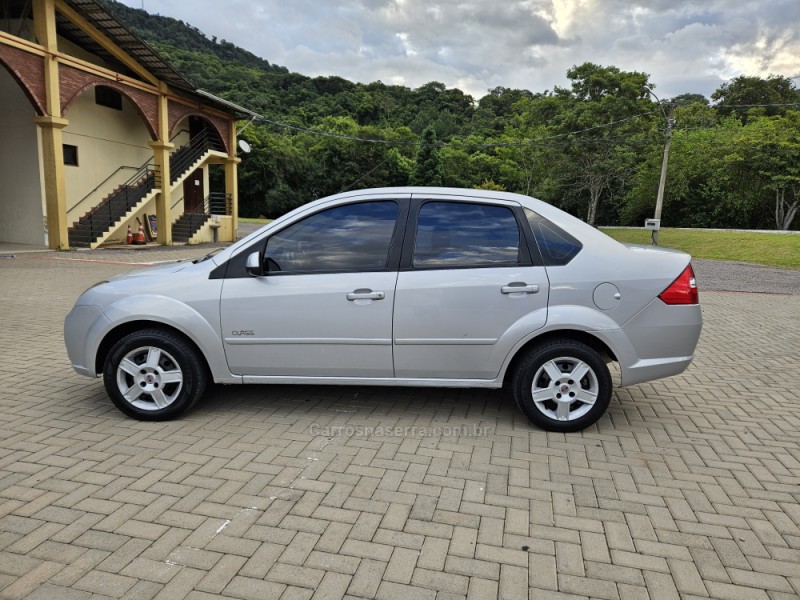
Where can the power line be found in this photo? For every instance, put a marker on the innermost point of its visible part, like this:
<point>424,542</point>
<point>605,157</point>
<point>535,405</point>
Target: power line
<point>254,116</point>
<point>716,106</point>
<point>257,117</point>
<point>528,142</point>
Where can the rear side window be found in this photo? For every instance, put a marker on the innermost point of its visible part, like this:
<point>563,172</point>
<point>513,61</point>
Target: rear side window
<point>353,237</point>
<point>556,245</point>
<point>456,234</point>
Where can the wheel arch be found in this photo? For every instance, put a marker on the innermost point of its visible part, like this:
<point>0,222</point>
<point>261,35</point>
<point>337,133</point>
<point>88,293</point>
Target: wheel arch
<point>584,337</point>
<point>120,331</point>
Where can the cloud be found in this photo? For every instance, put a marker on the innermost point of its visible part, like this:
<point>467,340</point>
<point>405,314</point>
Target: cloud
<point>480,44</point>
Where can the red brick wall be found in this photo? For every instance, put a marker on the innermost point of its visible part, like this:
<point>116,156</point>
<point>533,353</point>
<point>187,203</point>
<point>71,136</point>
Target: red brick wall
<point>75,82</point>
<point>178,112</point>
<point>28,70</point>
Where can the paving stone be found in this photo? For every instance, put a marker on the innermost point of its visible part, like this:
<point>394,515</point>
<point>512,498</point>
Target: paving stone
<point>688,488</point>
<point>367,578</point>
<point>395,591</point>
<point>443,582</point>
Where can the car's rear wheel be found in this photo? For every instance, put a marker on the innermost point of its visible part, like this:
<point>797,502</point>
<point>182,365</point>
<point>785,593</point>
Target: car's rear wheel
<point>154,375</point>
<point>562,385</point>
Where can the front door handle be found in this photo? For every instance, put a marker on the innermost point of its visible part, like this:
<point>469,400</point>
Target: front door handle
<point>365,294</point>
<point>517,287</point>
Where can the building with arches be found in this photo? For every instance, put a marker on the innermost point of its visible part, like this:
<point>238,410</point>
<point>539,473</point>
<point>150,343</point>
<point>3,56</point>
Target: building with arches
<point>99,132</point>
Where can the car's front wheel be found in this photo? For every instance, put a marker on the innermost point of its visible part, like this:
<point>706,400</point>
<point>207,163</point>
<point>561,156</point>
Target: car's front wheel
<point>154,375</point>
<point>562,385</point>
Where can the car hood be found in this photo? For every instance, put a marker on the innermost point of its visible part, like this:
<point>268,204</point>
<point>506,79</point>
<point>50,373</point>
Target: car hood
<point>149,271</point>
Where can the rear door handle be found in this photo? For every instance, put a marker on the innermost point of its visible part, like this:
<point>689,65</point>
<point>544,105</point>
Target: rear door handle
<point>517,287</point>
<point>365,294</point>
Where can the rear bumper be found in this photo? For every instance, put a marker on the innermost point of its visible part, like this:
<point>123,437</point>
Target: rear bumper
<point>663,339</point>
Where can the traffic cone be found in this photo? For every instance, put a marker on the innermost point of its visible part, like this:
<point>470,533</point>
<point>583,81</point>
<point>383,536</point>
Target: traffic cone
<point>139,236</point>
<point>129,239</point>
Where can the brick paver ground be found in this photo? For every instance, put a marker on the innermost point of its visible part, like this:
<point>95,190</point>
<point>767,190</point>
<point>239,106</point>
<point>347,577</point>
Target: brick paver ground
<point>688,488</point>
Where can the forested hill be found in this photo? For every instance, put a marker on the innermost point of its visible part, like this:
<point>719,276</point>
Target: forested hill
<point>592,147</point>
<point>169,32</point>
<point>223,68</point>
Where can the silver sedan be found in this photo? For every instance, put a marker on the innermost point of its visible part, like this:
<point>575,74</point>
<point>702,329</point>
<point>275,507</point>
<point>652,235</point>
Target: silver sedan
<point>401,287</point>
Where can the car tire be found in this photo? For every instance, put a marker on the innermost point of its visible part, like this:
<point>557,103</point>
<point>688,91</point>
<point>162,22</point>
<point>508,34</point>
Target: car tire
<point>154,375</point>
<point>562,385</point>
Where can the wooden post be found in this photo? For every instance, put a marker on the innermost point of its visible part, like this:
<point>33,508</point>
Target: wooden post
<point>51,124</point>
<point>232,189</point>
<point>232,180</point>
<point>161,149</point>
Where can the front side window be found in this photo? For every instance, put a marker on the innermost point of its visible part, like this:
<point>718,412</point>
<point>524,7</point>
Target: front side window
<point>457,234</point>
<point>354,237</point>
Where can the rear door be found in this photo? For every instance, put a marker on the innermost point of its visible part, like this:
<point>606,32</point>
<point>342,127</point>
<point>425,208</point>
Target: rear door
<point>467,291</point>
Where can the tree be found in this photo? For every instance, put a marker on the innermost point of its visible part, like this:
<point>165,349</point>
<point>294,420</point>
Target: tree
<point>428,170</point>
<point>271,176</point>
<point>686,99</point>
<point>768,148</point>
<point>745,96</point>
<point>597,120</point>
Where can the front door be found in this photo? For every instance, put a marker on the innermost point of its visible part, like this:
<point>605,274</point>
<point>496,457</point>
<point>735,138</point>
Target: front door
<point>193,192</point>
<point>470,292</point>
<point>324,308</point>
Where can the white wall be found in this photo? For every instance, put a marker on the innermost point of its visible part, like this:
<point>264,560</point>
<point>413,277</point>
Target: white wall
<point>21,192</point>
<point>106,139</point>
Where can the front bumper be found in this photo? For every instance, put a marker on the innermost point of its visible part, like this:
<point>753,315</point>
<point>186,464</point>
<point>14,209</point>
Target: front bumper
<point>79,327</point>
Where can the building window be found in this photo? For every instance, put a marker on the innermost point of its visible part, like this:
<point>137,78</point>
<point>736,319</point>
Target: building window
<point>105,96</point>
<point>70,155</point>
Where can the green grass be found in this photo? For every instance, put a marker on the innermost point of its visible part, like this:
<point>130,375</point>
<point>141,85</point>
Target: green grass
<point>254,221</point>
<point>774,249</point>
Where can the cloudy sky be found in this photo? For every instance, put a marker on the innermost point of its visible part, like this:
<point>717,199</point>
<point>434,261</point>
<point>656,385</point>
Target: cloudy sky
<point>686,46</point>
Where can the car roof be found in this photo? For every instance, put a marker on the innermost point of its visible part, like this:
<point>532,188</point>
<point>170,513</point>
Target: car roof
<point>437,191</point>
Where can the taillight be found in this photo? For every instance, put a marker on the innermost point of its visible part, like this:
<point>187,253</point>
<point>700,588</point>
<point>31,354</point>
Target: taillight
<point>683,290</point>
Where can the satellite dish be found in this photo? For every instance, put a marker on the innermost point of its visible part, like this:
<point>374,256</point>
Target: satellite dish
<point>244,146</point>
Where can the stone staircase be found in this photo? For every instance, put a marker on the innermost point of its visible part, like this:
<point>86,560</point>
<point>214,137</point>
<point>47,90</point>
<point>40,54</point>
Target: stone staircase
<point>102,221</point>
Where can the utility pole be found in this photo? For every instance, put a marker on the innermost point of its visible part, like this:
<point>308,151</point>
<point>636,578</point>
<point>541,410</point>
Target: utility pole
<point>670,118</point>
<point>663,181</point>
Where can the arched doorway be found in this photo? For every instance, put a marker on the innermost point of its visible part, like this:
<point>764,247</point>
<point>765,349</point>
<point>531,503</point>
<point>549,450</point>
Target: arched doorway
<point>22,211</point>
<point>195,131</point>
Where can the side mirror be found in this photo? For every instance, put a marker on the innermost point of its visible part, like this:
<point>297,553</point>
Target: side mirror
<point>253,265</point>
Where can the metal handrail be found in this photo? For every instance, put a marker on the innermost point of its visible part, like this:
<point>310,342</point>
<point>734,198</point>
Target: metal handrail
<point>216,203</point>
<point>99,185</point>
<point>220,203</point>
<point>146,178</point>
<point>187,155</point>
<point>105,214</point>
<point>118,169</point>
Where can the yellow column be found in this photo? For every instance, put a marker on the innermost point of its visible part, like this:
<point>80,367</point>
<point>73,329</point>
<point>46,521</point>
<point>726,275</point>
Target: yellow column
<point>161,150</point>
<point>232,181</point>
<point>51,124</point>
<point>232,189</point>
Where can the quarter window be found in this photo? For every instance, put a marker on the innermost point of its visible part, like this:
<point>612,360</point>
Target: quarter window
<point>556,245</point>
<point>354,237</point>
<point>456,234</point>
